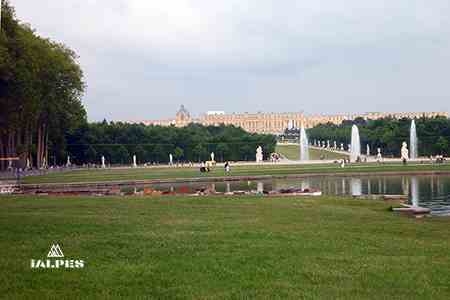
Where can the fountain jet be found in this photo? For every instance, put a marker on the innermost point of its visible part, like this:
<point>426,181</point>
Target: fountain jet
<point>304,147</point>
<point>355,146</point>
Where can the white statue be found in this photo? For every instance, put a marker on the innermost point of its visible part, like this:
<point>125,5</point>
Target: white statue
<point>103,162</point>
<point>368,150</point>
<point>342,146</point>
<point>328,144</point>
<point>28,164</point>
<point>68,163</point>
<point>379,157</point>
<point>170,159</point>
<point>212,156</point>
<point>335,145</point>
<point>405,152</point>
<point>259,154</point>
<point>134,161</point>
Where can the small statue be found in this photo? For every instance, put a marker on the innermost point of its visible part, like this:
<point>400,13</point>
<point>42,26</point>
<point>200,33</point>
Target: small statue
<point>405,153</point>
<point>259,154</point>
<point>379,156</point>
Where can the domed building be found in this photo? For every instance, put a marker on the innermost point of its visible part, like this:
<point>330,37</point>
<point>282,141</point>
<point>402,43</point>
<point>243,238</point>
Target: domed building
<point>183,117</point>
<point>276,123</point>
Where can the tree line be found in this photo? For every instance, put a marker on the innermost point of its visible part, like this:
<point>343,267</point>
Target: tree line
<point>118,142</point>
<point>388,134</point>
<point>41,85</point>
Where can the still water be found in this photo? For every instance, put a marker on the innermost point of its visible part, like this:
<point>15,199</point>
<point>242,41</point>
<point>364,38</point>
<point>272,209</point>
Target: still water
<point>426,191</point>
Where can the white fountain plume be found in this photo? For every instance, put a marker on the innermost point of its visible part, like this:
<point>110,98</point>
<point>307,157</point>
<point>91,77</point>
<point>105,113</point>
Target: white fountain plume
<point>304,148</point>
<point>413,141</point>
<point>355,146</point>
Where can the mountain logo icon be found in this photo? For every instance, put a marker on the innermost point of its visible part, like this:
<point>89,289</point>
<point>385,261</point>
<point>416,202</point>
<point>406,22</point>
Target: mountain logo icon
<point>55,251</point>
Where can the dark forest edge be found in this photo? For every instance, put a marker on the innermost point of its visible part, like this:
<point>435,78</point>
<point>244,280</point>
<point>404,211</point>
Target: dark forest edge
<point>118,142</point>
<point>387,134</point>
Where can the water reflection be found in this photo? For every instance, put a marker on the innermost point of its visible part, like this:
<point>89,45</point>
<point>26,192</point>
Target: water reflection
<point>343,186</point>
<point>405,185</point>
<point>305,184</point>
<point>260,187</point>
<point>427,191</point>
<point>414,191</point>
<point>356,186</point>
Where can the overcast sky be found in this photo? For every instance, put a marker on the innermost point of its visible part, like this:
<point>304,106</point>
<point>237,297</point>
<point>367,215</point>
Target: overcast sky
<point>144,58</point>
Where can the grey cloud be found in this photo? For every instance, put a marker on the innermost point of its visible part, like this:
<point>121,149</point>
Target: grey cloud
<point>142,59</point>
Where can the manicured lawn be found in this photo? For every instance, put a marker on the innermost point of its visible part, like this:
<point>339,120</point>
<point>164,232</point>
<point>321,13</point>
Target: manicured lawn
<point>203,248</point>
<point>292,152</point>
<point>115,174</point>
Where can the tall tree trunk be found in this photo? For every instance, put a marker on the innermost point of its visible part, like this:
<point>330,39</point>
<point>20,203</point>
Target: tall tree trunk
<point>10,143</point>
<point>46,143</point>
<point>39,147</point>
<point>2,152</point>
<point>26,143</point>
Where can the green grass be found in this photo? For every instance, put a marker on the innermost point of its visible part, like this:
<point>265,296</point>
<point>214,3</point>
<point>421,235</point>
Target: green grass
<point>204,248</point>
<point>95,175</point>
<point>292,152</point>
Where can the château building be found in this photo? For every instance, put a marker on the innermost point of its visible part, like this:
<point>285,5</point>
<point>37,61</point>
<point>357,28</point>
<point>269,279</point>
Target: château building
<point>276,123</point>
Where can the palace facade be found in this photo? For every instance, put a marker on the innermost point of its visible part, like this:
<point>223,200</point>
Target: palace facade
<point>276,123</point>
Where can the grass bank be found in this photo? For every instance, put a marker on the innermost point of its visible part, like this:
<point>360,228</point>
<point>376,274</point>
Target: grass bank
<point>98,175</point>
<point>292,152</point>
<point>201,248</point>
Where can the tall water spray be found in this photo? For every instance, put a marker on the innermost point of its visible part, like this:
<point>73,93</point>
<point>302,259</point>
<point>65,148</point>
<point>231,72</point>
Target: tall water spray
<point>304,147</point>
<point>355,146</point>
<point>413,141</point>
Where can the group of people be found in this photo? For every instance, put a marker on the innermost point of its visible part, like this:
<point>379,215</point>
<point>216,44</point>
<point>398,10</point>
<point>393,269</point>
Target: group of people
<point>439,159</point>
<point>275,157</point>
<point>205,167</point>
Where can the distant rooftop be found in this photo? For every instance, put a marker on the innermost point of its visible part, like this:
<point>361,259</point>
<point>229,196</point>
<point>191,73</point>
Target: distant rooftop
<point>215,112</point>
